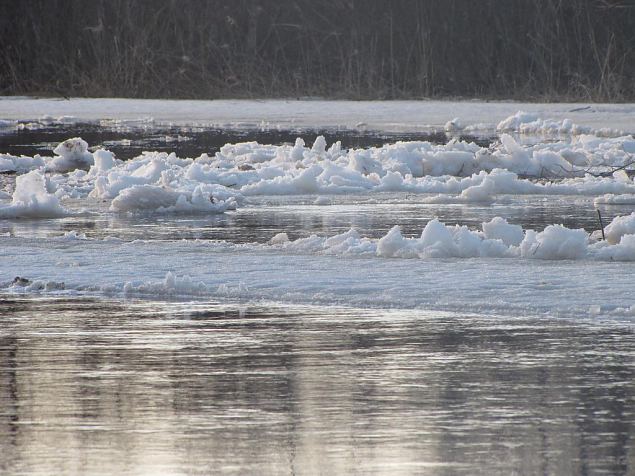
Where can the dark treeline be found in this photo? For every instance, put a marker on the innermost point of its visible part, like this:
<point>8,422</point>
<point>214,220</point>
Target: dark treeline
<point>529,49</point>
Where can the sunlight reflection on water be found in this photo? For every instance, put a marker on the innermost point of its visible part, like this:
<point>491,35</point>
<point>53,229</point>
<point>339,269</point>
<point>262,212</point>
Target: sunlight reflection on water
<point>104,387</point>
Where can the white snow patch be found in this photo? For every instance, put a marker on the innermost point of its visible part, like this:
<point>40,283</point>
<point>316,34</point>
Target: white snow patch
<point>610,199</point>
<point>32,200</point>
<point>71,154</point>
<point>159,199</point>
<point>499,229</point>
<point>620,226</point>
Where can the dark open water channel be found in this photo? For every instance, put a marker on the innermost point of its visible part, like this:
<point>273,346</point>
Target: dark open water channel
<point>130,141</point>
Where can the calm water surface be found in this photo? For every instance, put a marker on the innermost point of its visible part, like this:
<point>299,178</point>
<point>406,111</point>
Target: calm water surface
<point>260,218</point>
<point>99,387</point>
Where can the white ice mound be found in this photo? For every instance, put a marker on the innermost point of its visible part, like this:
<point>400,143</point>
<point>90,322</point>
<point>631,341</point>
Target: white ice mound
<point>71,154</point>
<point>32,200</point>
<point>499,239</point>
<point>154,198</point>
<point>466,171</point>
<point>555,242</point>
<point>513,122</point>
<point>499,229</point>
<point>22,164</point>
<point>104,161</point>
<point>611,199</point>
<point>529,123</point>
<point>624,250</point>
<point>620,226</point>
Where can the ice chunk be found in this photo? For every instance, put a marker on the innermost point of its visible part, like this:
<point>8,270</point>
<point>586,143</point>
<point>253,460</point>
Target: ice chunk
<point>620,226</point>
<point>22,164</point>
<point>454,125</point>
<point>499,229</point>
<point>146,198</point>
<point>319,146</point>
<point>279,239</point>
<point>72,154</point>
<point>611,199</point>
<point>322,200</point>
<point>555,242</point>
<point>393,244</point>
<point>31,199</point>
<point>513,122</point>
<point>104,161</point>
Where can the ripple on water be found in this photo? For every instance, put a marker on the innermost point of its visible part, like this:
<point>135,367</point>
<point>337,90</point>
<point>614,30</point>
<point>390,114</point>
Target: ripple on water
<point>144,387</point>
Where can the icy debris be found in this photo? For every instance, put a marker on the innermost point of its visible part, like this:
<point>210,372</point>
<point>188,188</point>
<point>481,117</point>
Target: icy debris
<point>499,229</point>
<point>71,154</point>
<point>73,235</point>
<point>104,160</point>
<point>555,242</point>
<point>610,199</point>
<point>620,226</point>
<point>50,120</point>
<point>454,125</point>
<point>513,122</point>
<point>170,285</point>
<point>159,199</point>
<point>31,199</point>
<point>279,239</point>
<point>22,164</point>
<point>623,250</point>
<point>463,170</point>
<point>622,176</point>
<point>22,284</point>
<point>498,239</point>
<point>529,123</point>
<point>322,201</point>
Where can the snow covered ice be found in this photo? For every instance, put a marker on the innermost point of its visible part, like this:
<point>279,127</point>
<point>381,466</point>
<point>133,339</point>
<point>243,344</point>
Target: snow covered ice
<point>497,264</point>
<point>31,199</point>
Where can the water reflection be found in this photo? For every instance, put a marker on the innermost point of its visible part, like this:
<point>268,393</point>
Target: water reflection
<point>262,218</point>
<point>130,141</point>
<point>371,215</point>
<point>112,388</point>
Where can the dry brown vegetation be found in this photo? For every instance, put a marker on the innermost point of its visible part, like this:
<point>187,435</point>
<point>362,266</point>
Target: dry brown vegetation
<point>538,49</point>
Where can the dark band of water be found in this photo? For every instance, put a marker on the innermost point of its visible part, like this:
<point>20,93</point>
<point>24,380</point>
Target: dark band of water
<point>194,141</point>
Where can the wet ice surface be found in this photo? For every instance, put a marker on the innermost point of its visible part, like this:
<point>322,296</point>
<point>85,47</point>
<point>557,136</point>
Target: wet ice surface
<point>101,387</point>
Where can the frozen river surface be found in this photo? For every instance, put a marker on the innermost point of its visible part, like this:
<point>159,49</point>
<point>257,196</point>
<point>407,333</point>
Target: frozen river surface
<point>283,306</point>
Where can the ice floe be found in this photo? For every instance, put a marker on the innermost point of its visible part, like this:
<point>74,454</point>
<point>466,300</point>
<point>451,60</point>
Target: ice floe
<point>498,239</point>
<point>31,199</point>
<point>457,172</point>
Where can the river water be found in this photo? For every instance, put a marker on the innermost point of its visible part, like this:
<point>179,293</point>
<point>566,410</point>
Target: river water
<point>95,385</point>
<point>111,387</point>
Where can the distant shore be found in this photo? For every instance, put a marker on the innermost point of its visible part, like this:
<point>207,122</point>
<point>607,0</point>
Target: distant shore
<point>539,51</point>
